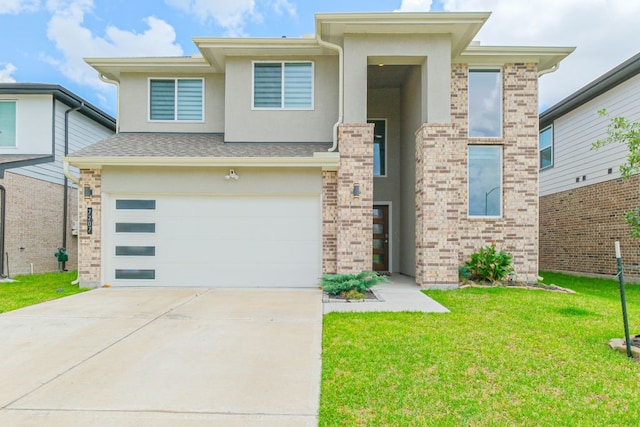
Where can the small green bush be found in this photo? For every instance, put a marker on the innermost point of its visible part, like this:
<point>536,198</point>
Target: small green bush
<point>489,265</point>
<point>464,274</point>
<point>336,284</point>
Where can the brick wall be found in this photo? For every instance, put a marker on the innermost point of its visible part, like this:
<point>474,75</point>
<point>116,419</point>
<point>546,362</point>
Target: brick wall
<point>34,224</point>
<point>89,262</point>
<point>355,215</point>
<point>441,183</point>
<point>578,228</point>
<point>329,221</point>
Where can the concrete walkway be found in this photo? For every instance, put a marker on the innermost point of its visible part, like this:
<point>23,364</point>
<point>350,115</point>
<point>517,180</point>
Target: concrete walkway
<point>163,357</point>
<point>400,293</point>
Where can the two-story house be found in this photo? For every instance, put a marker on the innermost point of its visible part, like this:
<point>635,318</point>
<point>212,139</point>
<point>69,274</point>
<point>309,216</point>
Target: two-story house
<point>39,125</point>
<point>583,199</point>
<point>385,141</point>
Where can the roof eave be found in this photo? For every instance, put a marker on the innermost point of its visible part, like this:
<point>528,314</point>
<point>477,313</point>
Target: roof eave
<point>546,57</point>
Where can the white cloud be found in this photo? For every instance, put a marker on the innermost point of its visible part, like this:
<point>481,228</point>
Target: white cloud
<point>284,6</point>
<point>415,6</point>
<point>6,72</point>
<point>75,41</point>
<point>604,32</point>
<point>18,6</point>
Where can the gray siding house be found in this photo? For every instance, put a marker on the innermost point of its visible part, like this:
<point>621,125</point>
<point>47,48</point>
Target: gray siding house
<point>582,197</point>
<point>385,141</point>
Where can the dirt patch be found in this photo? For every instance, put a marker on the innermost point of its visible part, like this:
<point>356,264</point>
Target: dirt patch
<point>516,284</point>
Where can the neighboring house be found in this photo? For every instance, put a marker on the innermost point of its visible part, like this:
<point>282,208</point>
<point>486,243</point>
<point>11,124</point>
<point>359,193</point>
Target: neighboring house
<point>386,141</point>
<point>39,125</point>
<point>582,197</point>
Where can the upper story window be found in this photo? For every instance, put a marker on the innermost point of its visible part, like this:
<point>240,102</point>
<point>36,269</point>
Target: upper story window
<point>485,103</point>
<point>176,99</point>
<point>283,85</point>
<point>546,147</point>
<point>485,180</point>
<point>7,123</point>
<point>379,147</point>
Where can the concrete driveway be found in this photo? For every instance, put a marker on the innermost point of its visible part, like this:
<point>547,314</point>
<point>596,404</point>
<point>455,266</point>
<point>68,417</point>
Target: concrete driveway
<point>156,357</point>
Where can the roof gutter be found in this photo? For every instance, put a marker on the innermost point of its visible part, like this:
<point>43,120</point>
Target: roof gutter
<point>340,51</point>
<point>549,70</point>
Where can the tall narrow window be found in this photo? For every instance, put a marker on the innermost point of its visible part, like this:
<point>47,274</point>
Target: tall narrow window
<point>283,85</point>
<point>485,103</point>
<point>379,147</point>
<point>485,180</point>
<point>546,147</point>
<point>176,99</point>
<point>7,124</point>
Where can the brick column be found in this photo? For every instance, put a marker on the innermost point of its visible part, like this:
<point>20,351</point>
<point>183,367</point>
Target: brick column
<point>440,170</point>
<point>329,221</point>
<point>90,254</point>
<point>355,214</point>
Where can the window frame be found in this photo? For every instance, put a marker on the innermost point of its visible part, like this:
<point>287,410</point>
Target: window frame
<point>282,85</point>
<point>386,145</point>
<point>486,69</point>
<point>500,149</point>
<point>176,101</point>
<point>15,125</point>
<point>550,147</point>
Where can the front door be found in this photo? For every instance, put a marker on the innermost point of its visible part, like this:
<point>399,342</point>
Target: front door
<point>380,238</point>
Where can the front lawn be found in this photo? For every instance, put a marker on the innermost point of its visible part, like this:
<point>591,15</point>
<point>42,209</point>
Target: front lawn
<point>33,289</point>
<point>501,357</point>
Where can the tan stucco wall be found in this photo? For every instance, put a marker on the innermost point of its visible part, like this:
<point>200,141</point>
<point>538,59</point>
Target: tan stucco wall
<point>243,124</point>
<point>134,105</point>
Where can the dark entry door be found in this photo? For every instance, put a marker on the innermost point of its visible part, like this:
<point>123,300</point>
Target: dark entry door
<point>380,238</point>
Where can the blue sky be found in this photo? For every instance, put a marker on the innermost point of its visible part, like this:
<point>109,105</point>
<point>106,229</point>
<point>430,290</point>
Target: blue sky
<point>45,40</point>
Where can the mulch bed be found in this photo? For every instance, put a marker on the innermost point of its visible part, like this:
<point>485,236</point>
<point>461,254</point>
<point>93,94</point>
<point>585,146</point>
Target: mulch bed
<point>369,297</point>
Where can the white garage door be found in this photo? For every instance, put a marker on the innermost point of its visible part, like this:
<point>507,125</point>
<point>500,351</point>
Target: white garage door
<point>214,241</point>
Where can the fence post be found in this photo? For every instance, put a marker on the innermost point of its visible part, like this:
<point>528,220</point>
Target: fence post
<point>623,299</point>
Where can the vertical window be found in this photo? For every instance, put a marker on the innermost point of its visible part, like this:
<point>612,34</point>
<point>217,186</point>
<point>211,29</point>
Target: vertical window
<point>546,147</point>
<point>485,180</point>
<point>7,123</point>
<point>283,85</point>
<point>485,103</point>
<point>379,147</point>
<point>176,99</point>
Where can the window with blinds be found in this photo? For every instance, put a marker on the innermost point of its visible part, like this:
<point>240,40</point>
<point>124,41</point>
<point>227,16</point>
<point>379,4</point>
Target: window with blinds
<point>7,123</point>
<point>283,85</point>
<point>176,99</point>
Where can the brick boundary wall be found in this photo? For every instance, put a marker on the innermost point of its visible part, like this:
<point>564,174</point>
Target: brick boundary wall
<point>578,228</point>
<point>34,222</point>
<point>90,268</point>
<point>329,221</point>
<point>354,225</point>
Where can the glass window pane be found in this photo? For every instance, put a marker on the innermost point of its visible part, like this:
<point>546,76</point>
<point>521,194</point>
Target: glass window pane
<point>162,99</point>
<point>267,85</point>
<point>135,250</point>
<point>485,103</point>
<point>545,158</point>
<point>136,274</point>
<point>8,124</point>
<point>190,99</point>
<point>485,180</point>
<point>298,85</point>
<point>136,204</point>
<point>379,147</point>
<point>546,147</point>
<point>135,227</point>
<point>546,138</point>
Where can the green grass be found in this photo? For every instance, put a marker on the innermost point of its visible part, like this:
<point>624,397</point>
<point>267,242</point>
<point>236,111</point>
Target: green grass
<point>29,290</point>
<point>502,357</point>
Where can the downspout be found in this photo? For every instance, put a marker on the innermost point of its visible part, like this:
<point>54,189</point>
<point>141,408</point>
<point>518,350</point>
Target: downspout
<point>548,70</point>
<point>3,193</point>
<point>113,82</point>
<point>340,51</point>
<point>76,181</point>
<point>65,210</point>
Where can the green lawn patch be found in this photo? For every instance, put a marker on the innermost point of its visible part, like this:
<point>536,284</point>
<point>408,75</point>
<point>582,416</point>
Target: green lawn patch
<point>33,289</point>
<point>503,356</point>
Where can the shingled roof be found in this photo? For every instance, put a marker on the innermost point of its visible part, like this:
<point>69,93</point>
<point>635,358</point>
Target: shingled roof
<point>209,145</point>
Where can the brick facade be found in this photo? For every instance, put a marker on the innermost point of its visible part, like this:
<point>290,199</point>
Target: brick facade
<point>34,211</point>
<point>578,228</point>
<point>355,214</point>
<point>89,268</point>
<point>329,221</point>
<point>445,236</point>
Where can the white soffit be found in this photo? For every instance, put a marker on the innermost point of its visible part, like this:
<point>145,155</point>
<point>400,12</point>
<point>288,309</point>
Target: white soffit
<point>545,57</point>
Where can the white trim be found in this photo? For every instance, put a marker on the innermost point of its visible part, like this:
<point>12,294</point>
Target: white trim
<point>175,105</point>
<point>483,217</point>
<point>386,145</point>
<point>282,93</point>
<point>501,96</point>
<point>551,146</point>
<point>390,229</point>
